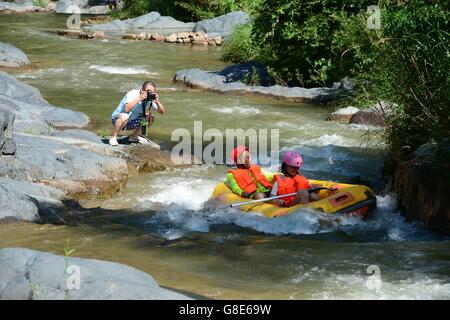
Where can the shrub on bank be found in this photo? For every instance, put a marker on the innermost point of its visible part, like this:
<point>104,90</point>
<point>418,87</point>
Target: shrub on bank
<point>406,62</point>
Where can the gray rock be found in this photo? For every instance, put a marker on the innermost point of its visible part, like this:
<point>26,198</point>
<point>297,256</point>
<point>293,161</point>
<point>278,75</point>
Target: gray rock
<point>11,87</point>
<point>222,25</point>
<point>7,144</point>
<point>34,275</point>
<point>32,111</point>
<point>214,81</point>
<point>343,115</point>
<point>149,22</point>
<point>10,56</point>
<point>78,134</point>
<point>21,7</point>
<point>24,200</point>
<point>81,6</point>
<point>60,117</point>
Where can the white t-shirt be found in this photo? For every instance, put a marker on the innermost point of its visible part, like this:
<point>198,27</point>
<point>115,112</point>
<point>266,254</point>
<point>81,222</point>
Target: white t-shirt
<point>137,110</point>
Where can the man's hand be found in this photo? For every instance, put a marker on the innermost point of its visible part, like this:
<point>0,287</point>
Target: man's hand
<point>245,194</point>
<point>279,202</point>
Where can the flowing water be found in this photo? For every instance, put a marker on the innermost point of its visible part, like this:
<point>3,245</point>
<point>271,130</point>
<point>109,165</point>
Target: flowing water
<point>163,223</point>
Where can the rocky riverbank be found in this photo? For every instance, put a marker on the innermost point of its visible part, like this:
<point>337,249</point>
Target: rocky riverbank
<point>421,181</point>
<point>33,275</point>
<point>45,163</point>
<point>154,27</point>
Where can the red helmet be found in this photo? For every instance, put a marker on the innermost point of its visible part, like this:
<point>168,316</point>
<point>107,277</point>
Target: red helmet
<point>292,159</point>
<point>237,152</point>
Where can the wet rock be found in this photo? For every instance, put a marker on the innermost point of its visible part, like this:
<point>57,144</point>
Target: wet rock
<point>7,144</point>
<point>12,57</point>
<point>217,82</point>
<point>343,115</point>
<point>374,116</point>
<point>222,25</point>
<point>421,182</point>
<point>33,275</point>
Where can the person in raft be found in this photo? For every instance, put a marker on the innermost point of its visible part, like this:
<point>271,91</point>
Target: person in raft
<point>128,114</point>
<point>248,180</point>
<point>291,181</point>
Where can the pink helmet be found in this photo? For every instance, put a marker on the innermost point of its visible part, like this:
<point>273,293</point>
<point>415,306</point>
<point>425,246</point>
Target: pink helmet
<point>292,159</point>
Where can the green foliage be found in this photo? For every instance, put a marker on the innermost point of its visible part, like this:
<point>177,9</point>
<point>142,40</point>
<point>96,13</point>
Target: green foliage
<point>185,10</point>
<point>103,133</point>
<point>239,46</point>
<point>295,38</point>
<point>40,3</point>
<point>407,63</point>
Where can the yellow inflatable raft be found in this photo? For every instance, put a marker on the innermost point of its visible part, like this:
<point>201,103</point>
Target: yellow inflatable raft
<point>347,199</point>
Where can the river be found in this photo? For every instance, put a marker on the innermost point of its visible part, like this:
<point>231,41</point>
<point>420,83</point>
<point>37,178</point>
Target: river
<point>163,224</point>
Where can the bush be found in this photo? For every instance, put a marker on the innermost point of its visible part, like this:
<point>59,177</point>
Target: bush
<point>185,10</point>
<point>40,3</point>
<point>295,38</point>
<point>239,46</point>
<point>407,63</point>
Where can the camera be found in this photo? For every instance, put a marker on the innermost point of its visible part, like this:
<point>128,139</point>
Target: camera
<point>150,96</point>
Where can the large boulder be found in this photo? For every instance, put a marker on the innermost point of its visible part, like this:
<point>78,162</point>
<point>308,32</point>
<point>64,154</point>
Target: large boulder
<point>420,180</point>
<point>7,144</point>
<point>374,116</point>
<point>10,56</point>
<point>33,275</point>
<point>31,110</point>
<point>26,200</point>
<point>222,25</point>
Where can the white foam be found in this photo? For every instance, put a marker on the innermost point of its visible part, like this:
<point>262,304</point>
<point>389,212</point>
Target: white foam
<point>185,192</point>
<point>421,287</point>
<point>242,110</point>
<point>121,70</point>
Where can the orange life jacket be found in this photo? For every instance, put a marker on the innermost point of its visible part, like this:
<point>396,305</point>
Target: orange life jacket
<point>247,178</point>
<point>288,185</point>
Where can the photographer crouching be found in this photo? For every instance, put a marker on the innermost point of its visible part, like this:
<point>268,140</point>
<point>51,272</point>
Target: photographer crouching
<point>130,114</point>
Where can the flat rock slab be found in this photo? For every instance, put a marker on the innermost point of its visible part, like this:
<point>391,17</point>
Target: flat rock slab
<point>216,82</point>
<point>33,275</point>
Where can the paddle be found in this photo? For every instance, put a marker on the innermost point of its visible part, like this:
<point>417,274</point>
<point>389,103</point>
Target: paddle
<point>278,197</point>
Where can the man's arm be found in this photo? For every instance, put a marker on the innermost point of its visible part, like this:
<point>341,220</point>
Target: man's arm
<point>161,108</point>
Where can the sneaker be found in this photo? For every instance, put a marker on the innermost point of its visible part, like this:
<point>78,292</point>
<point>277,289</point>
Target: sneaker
<point>113,142</point>
<point>138,139</point>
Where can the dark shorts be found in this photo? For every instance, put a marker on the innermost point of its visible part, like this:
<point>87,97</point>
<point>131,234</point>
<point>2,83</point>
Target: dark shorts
<point>131,124</point>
